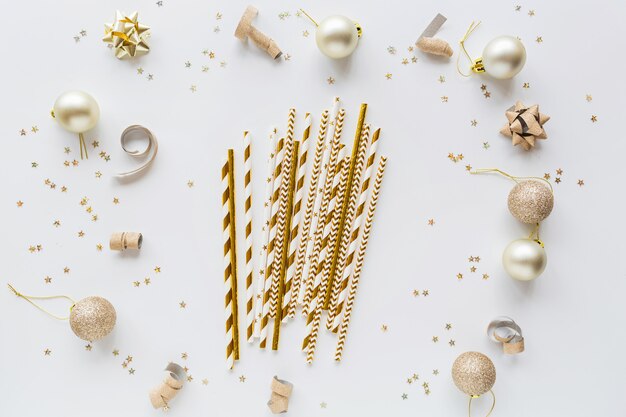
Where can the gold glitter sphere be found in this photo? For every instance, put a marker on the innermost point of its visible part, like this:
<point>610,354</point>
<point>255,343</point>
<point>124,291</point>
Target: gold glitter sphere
<point>92,318</point>
<point>473,373</point>
<point>531,201</point>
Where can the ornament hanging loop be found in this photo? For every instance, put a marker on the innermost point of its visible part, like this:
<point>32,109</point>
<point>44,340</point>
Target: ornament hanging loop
<point>512,177</point>
<point>30,299</point>
<point>310,18</point>
<point>477,64</point>
<point>493,404</point>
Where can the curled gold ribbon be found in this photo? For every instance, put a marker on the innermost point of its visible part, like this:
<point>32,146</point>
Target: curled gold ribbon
<point>174,380</point>
<point>504,330</point>
<point>152,142</point>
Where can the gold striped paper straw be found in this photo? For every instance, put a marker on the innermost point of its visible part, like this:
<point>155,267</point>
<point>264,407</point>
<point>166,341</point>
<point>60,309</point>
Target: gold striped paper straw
<point>282,212</point>
<point>267,295</point>
<point>308,275</point>
<point>359,259</point>
<point>342,276</point>
<point>296,211</point>
<point>228,267</point>
<point>313,326</point>
<point>349,206</point>
<point>247,167</point>
<point>267,214</point>
<point>285,248</point>
<point>233,252</point>
<point>306,220</point>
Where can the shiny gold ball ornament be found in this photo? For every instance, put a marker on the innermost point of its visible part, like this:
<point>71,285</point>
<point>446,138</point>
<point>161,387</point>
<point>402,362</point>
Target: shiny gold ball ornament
<point>525,259</point>
<point>92,318</point>
<point>336,36</point>
<point>77,112</point>
<point>531,201</point>
<point>473,373</point>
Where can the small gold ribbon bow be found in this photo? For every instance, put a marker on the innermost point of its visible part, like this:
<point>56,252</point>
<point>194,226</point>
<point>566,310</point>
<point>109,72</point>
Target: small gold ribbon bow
<point>127,35</point>
<point>525,125</point>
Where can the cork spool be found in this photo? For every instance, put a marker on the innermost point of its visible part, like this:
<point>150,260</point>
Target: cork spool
<point>125,240</point>
<point>245,30</point>
<point>279,399</point>
<point>174,380</point>
<point>434,46</point>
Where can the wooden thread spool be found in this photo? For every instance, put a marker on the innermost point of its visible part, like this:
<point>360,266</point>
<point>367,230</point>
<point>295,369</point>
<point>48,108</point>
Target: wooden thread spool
<point>245,30</point>
<point>174,380</point>
<point>434,46</point>
<point>279,400</point>
<point>125,240</point>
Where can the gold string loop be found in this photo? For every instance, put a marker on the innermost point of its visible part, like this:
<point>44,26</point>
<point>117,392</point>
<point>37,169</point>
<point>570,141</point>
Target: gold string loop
<point>471,29</point>
<point>512,177</point>
<point>30,299</point>
<point>310,18</point>
<point>493,404</point>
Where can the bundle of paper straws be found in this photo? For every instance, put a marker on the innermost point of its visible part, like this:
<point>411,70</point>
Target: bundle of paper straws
<point>312,250</point>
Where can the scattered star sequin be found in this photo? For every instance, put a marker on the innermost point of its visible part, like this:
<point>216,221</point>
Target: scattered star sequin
<point>581,183</point>
<point>474,122</point>
<point>594,118</point>
<point>330,80</point>
<point>431,222</point>
<point>47,352</point>
<point>242,378</point>
<point>388,75</point>
<point>444,99</point>
<point>588,97</point>
<point>182,304</point>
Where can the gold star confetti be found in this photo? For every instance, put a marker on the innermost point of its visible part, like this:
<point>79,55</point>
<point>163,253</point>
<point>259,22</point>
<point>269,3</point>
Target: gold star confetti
<point>323,405</point>
<point>409,381</point>
<point>242,378</point>
<point>218,16</point>
<point>190,183</point>
<point>184,355</point>
<point>211,55</point>
<point>47,352</point>
<point>139,71</point>
<point>477,258</point>
<point>459,276</point>
<point>189,378</point>
<point>452,342</point>
<point>431,222</point>
<point>413,59</point>
<point>182,304</point>
<point>136,283</point>
<point>425,293</point>
<point>487,94</point>
<point>66,270</point>
<point>81,233</point>
<point>444,99</point>
<point>384,328</point>
<point>483,87</point>
<point>34,129</point>
<point>205,381</point>
<point>468,167</point>
<point>32,249</point>
<point>116,352</point>
<point>594,118</point>
<point>193,88</point>
<point>157,269</point>
<point>95,143</point>
<point>442,79</point>
<point>518,8</point>
<point>330,80</point>
<point>150,77</point>
<point>405,61</point>
<point>473,269</point>
<point>129,359</point>
<point>404,396</point>
<point>56,223</point>
<point>99,246</point>
<point>287,57</point>
<point>557,180</point>
<point>205,68</point>
<point>98,174</point>
<point>486,145</point>
<point>146,281</point>
<point>415,377</point>
<point>435,371</point>
<point>588,97</point>
<point>581,183</point>
<point>485,276</point>
<point>435,339</point>
<point>526,85</point>
<point>88,347</point>
<point>124,365</point>
<point>131,371</point>
<point>187,64</point>
<point>388,75</point>
<point>20,203</point>
<point>47,279</point>
<point>305,33</point>
<point>284,15</point>
<point>34,164</point>
<point>223,64</point>
<point>391,50</point>
<point>416,293</point>
<point>474,122</point>
<point>531,13</point>
<point>559,171</point>
<point>448,326</point>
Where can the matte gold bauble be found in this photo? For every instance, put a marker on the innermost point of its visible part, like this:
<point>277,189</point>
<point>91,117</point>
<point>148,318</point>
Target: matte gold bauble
<point>524,259</point>
<point>76,111</point>
<point>504,57</point>
<point>473,373</point>
<point>337,36</point>
<point>92,318</point>
<point>531,201</point>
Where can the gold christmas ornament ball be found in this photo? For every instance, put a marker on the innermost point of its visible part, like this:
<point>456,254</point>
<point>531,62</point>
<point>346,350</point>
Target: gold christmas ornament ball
<point>337,36</point>
<point>524,259</point>
<point>531,201</point>
<point>504,57</point>
<point>473,373</point>
<point>92,318</point>
<point>76,111</point>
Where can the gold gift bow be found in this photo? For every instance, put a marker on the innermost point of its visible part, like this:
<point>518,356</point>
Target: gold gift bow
<point>127,35</point>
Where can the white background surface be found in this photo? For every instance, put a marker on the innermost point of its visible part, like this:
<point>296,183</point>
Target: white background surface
<point>572,316</point>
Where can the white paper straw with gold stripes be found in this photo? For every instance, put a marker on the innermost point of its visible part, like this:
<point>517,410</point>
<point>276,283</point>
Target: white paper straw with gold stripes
<point>228,267</point>
<point>305,225</point>
<point>267,215</point>
<point>296,212</point>
<point>282,212</point>
<point>349,209</point>
<point>247,189</point>
<point>342,277</point>
<point>271,246</point>
<point>308,275</point>
<point>343,331</point>
<point>318,303</point>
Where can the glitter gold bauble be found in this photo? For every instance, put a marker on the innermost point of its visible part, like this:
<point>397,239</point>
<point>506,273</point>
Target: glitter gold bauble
<point>531,201</point>
<point>92,318</point>
<point>473,373</point>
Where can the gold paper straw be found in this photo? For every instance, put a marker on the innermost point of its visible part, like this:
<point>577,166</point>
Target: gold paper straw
<point>306,220</point>
<point>314,247</point>
<point>334,228</point>
<point>247,165</point>
<point>282,212</point>
<point>359,259</point>
<point>267,215</point>
<point>294,225</point>
<point>285,248</point>
<point>342,275</point>
<point>356,152</point>
<point>228,267</point>
<point>233,252</point>
<point>267,295</point>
